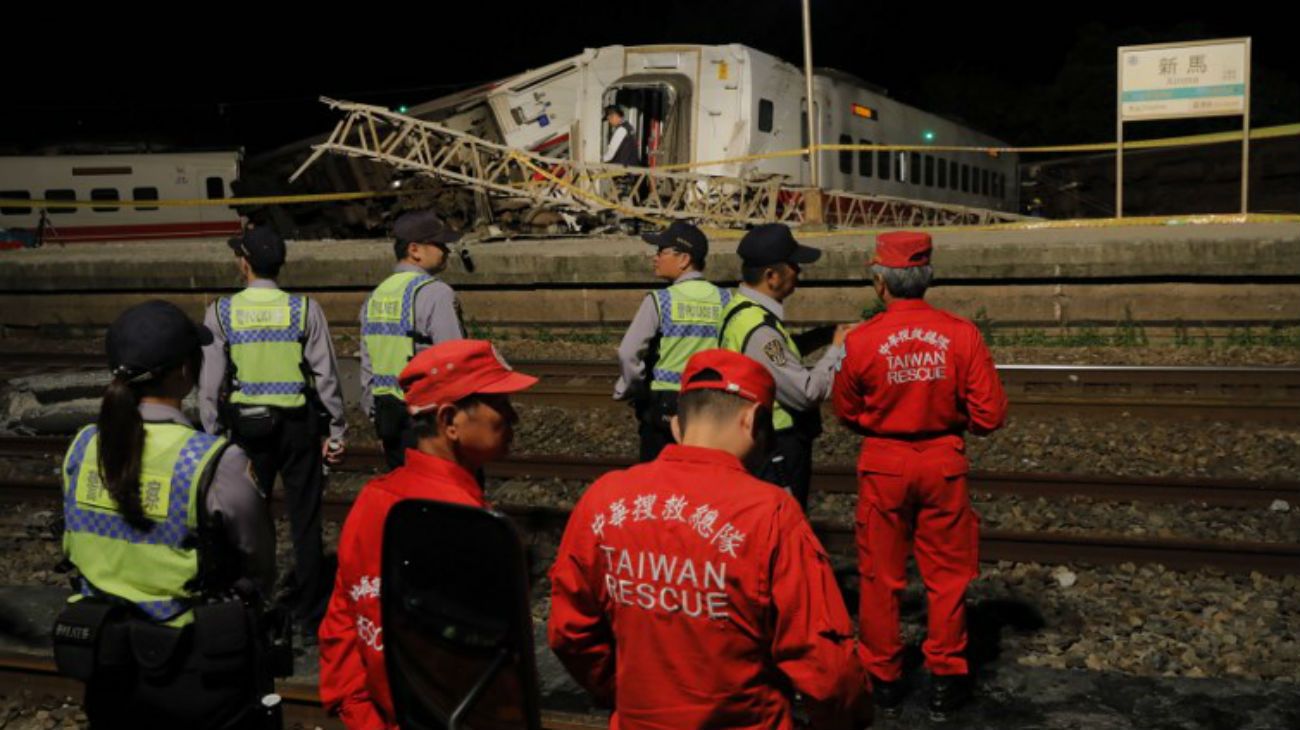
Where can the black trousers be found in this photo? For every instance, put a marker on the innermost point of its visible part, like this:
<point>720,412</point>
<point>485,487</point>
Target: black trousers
<point>790,464</point>
<point>654,423</point>
<point>293,451</point>
<point>394,429</point>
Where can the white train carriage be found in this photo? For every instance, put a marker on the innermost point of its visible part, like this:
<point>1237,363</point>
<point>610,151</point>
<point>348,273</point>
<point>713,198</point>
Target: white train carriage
<point>696,103</point>
<point>112,178</point>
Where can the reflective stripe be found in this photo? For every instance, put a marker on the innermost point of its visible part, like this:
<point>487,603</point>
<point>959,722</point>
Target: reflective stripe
<point>708,332</point>
<point>668,376</point>
<point>272,388</point>
<point>171,532</point>
<point>155,610</point>
<point>384,381</point>
<point>384,329</point>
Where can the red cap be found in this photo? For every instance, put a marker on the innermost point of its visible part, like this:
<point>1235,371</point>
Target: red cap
<point>452,370</point>
<point>902,249</point>
<point>735,373</point>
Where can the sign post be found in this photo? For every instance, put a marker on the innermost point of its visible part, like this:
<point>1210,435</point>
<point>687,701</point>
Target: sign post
<point>1183,80</point>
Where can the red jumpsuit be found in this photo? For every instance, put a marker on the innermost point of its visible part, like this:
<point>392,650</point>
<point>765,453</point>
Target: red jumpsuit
<point>353,680</point>
<point>914,379</point>
<point>688,594</point>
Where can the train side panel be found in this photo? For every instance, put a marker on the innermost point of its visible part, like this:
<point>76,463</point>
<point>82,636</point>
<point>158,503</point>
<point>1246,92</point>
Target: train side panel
<point>112,178</point>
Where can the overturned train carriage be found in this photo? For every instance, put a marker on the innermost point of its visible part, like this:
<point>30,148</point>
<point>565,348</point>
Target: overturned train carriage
<point>688,104</point>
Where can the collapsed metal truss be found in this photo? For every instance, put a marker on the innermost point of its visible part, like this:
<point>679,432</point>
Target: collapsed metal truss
<point>427,148</point>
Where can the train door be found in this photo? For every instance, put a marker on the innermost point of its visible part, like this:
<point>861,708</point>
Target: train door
<point>659,110</point>
<point>213,182</point>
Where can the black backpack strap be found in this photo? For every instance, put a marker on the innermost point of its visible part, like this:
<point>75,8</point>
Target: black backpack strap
<point>769,319</point>
<point>214,571</point>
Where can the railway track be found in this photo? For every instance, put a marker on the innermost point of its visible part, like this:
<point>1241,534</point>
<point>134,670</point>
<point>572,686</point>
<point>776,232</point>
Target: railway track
<point>300,699</point>
<point>995,545</point>
<point>840,478</point>
<point>1221,393</point>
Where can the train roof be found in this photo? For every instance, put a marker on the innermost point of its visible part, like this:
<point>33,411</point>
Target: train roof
<point>129,157</point>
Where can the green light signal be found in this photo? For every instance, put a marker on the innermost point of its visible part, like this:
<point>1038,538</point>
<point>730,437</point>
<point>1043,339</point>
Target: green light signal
<point>402,109</point>
<point>928,135</point>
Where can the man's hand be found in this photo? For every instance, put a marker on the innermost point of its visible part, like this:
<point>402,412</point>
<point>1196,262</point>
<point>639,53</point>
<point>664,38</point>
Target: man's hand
<point>841,332</point>
<point>333,450</point>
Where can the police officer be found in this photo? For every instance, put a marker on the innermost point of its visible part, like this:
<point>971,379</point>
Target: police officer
<point>671,325</point>
<point>688,594</point>
<point>753,323</point>
<point>172,544</point>
<point>409,311</point>
<point>622,147</point>
<point>269,378</point>
<point>458,395</point>
<point>915,379</point>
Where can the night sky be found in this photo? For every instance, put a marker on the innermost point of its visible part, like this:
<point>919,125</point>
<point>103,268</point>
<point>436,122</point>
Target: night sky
<point>219,78</point>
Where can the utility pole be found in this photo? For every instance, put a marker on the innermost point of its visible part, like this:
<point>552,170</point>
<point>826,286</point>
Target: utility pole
<point>808,94</point>
<point>813,198</point>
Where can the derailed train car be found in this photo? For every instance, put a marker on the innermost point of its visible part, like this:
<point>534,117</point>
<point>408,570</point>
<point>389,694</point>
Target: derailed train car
<point>690,104</point>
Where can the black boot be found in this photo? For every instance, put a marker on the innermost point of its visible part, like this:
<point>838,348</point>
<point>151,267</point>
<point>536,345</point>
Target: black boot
<point>888,696</point>
<point>948,692</point>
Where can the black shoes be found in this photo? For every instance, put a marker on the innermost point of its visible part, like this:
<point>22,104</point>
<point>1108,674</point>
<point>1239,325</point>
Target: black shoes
<point>948,692</point>
<point>888,696</point>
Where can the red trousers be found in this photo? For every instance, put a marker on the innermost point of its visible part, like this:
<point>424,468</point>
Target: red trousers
<point>914,495</point>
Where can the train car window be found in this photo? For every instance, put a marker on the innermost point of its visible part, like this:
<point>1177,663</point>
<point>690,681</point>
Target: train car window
<point>882,164</point>
<point>865,163</point>
<point>15,195</point>
<point>952,174</point>
<point>900,167</point>
<point>1002,185</point>
<point>929,171</point>
<point>61,195</point>
<point>984,182</point>
<point>104,194</point>
<point>965,178</point>
<point>942,181</point>
<point>846,156</point>
<point>216,188</point>
<point>915,171</point>
<point>766,111</point>
<point>145,194</point>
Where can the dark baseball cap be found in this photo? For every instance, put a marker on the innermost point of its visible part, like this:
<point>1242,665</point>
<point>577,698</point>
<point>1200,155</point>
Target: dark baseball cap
<point>424,226</point>
<point>773,243</point>
<point>680,236</point>
<point>262,246</point>
<point>152,338</point>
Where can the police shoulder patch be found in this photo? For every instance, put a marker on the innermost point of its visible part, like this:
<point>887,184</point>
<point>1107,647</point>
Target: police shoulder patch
<point>775,352</point>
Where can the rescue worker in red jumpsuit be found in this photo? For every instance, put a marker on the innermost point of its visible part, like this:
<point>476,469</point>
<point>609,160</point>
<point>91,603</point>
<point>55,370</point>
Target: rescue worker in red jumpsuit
<point>689,594</point>
<point>457,394</point>
<point>913,381</point>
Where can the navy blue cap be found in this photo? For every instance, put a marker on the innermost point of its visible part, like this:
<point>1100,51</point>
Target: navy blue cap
<point>152,338</point>
<point>262,246</point>
<point>681,236</point>
<point>773,243</point>
<point>424,226</point>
